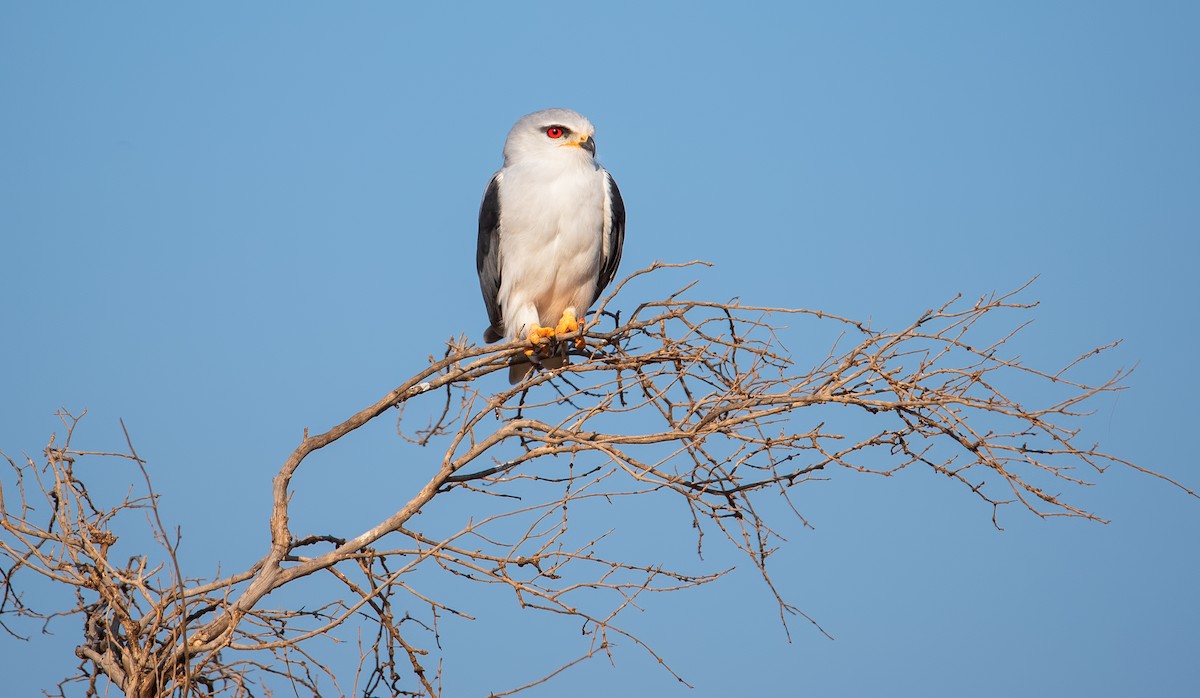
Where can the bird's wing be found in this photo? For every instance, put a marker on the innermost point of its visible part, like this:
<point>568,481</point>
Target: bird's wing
<point>487,258</point>
<point>614,237</point>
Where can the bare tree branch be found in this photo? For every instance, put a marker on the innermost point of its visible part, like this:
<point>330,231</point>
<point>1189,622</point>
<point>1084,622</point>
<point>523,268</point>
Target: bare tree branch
<point>690,401</point>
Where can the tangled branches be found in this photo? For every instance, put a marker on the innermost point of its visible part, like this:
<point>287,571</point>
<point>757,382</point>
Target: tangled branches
<point>695,402</point>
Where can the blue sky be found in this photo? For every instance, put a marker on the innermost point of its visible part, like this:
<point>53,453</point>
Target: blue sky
<point>224,224</point>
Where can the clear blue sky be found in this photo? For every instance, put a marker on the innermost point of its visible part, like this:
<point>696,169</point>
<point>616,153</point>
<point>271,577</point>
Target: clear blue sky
<point>225,223</point>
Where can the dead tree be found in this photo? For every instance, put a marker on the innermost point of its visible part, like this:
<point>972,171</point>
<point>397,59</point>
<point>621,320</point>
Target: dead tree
<point>694,401</point>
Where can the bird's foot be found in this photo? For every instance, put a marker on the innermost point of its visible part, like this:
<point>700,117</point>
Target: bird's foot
<point>539,340</point>
<point>580,342</point>
<point>540,335</point>
<point>568,323</point>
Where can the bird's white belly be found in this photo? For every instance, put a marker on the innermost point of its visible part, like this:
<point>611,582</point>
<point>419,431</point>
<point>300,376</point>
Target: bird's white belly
<point>551,237</point>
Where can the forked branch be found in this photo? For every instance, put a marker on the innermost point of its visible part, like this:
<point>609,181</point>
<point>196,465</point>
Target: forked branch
<point>694,401</point>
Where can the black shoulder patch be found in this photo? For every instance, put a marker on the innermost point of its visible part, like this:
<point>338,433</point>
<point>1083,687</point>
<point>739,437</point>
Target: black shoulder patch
<point>487,258</point>
<point>615,237</point>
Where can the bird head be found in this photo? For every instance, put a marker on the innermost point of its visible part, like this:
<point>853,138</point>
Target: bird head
<point>551,133</point>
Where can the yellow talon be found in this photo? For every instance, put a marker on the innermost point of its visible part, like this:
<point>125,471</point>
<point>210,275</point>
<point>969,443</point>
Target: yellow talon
<point>568,323</point>
<point>540,335</point>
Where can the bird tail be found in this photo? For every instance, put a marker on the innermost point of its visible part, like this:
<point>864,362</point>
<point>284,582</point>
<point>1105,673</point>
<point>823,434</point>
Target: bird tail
<point>521,367</point>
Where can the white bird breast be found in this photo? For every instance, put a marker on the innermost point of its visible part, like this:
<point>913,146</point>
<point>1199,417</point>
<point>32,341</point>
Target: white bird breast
<point>551,242</point>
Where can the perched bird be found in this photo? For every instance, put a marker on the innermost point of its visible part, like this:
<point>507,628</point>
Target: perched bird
<point>551,228</point>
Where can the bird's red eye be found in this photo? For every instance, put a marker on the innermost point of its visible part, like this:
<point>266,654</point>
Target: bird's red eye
<point>555,131</point>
